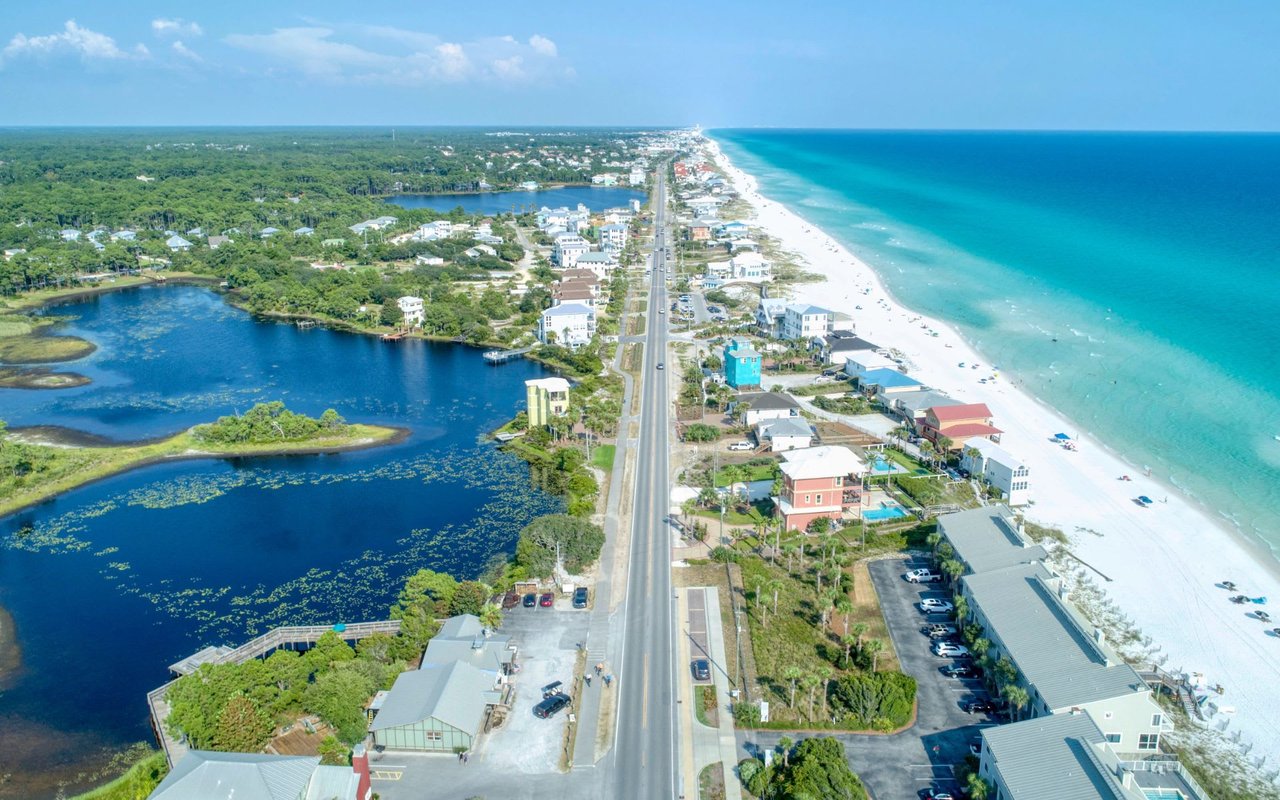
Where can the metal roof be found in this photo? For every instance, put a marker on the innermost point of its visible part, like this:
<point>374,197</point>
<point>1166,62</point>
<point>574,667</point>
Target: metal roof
<point>827,461</point>
<point>987,538</point>
<point>887,378</point>
<point>919,402</point>
<point>1063,756</point>
<point>787,426</point>
<point>202,775</point>
<point>1047,639</point>
<point>455,693</point>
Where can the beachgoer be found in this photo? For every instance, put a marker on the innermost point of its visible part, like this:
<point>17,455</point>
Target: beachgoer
<point>587,678</point>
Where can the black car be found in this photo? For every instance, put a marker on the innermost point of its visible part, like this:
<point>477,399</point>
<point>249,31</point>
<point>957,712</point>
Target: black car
<point>580,597</point>
<point>530,600</point>
<point>551,706</point>
<point>961,671</point>
<point>701,669</point>
<point>979,707</point>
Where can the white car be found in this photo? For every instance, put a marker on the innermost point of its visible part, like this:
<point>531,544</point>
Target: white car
<point>932,605</point>
<point>922,576</point>
<point>740,446</point>
<point>949,650</point>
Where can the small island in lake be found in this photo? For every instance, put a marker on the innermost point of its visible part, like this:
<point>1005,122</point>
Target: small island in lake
<point>36,466</point>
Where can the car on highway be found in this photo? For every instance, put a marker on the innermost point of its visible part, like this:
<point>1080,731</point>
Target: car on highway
<point>738,447</point>
<point>662,311</point>
<point>547,600</point>
<point>580,597</point>
<point>922,575</point>
<point>701,669</point>
<point>661,365</point>
<point>551,706</point>
<point>950,650</point>
<point>979,707</point>
<point>932,605</point>
<point>530,600</point>
<point>961,671</point>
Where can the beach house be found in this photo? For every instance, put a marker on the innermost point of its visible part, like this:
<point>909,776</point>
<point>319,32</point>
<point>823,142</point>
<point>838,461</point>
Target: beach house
<point>177,244</point>
<point>741,364</point>
<point>750,267</point>
<point>835,346</point>
<point>988,538</point>
<point>911,406</point>
<point>752,407</point>
<point>984,459</point>
<point>1064,756</point>
<point>781,435</point>
<point>957,424</point>
<point>818,482</point>
<point>567,248</point>
<point>600,263</point>
<point>860,362</point>
<point>545,398</point>
<point>802,321</point>
<point>613,237</point>
<point>575,291</point>
<point>571,325</point>
<point>883,383</point>
<point>769,317</point>
<point>1061,660</point>
<point>412,311</point>
<point>700,230</point>
<point>260,776</point>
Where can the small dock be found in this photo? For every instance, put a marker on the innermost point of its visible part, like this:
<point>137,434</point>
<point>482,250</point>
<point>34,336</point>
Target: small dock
<point>305,324</point>
<point>393,337</point>
<point>298,637</point>
<point>496,357</point>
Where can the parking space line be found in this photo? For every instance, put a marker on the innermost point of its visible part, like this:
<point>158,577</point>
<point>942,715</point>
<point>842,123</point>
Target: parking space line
<point>384,775</point>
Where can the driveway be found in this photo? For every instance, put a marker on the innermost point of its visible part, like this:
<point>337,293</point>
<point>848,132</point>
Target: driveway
<point>898,767</point>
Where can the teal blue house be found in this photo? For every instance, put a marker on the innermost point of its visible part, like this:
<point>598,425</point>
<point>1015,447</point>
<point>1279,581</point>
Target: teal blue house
<point>741,364</point>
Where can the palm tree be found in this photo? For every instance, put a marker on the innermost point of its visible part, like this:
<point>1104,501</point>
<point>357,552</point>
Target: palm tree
<point>844,608</point>
<point>687,508</point>
<point>776,584</point>
<point>810,683</point>
<point>849,640</point>
<point>792,675</point>
<point>491,616</point>
<point>784,745</point>
<point>873,647</point>
<point>1017,698</point>
<point>859,629</point>
<point>825,674</point>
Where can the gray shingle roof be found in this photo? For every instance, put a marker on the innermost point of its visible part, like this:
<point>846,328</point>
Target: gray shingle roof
<point>987,538</point>
<point>1062,756</point>
<point>787,426</point>
<point>917,403</point>
<point>1047,640</point>
<point>768,400</point>
<point>202,775</point>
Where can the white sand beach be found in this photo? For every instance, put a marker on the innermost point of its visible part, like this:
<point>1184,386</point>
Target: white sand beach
<point>1162,561</point>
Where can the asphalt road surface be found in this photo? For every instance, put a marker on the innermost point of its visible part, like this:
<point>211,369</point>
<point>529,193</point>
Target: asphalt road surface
<point>647,746</point>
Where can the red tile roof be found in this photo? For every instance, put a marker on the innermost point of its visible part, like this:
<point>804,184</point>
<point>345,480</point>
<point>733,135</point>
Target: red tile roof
<point>968,411</point>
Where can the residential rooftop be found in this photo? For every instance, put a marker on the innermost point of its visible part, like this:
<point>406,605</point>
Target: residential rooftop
<point>1063,756</point>
<point>988,538</point>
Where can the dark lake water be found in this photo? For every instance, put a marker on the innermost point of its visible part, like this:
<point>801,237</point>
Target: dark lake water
<point>113,582</point>
<point>595,198</point>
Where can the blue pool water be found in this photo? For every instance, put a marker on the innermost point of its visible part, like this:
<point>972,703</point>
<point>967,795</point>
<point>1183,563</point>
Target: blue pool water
<point>883,513</point>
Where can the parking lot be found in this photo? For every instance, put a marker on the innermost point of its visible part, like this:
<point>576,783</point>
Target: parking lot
<point>521,758</point>
<point>928,753</point>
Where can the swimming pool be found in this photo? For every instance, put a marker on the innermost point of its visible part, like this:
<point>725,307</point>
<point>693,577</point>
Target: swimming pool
<point>1163,794</point>
<point>884,512</point>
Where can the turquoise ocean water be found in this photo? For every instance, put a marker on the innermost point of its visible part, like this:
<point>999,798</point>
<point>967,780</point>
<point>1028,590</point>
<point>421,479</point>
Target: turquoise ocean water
<point>1132,281</point>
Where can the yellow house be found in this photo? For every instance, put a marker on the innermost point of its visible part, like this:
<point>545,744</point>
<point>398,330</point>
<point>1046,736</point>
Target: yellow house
<point>547,398</point>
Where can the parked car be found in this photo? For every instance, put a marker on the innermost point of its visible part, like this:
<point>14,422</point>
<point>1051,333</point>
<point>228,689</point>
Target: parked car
<point>935,633</point>
<point>932,605</point>
<point>961,671</point>
<point>547,600</point>
<point>530,600</point>
<point>551,706</point>
<point>580,597</point>
<point>922,576</point>
<point>701,669</point>
<point>938,630</point>
<point>950,650</point>
<point>979,707</point>
<point>936,794</point>
<point>510,600</point>
<point>740,446</point>
<point>551,688</point>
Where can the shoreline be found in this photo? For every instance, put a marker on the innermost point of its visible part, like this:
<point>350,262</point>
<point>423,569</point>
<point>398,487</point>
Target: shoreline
<point>389,435</point>
<point>1184,548</point>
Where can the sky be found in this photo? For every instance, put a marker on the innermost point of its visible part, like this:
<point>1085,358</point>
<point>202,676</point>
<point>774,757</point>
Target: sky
<point>998,64</point>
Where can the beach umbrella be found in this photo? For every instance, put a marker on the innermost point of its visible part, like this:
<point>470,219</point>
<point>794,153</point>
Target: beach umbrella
<point>1146,501</point>
<point>1062,437</point>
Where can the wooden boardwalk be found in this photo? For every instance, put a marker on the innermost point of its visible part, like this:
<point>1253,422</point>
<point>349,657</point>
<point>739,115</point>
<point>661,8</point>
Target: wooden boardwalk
<point>287,638</point>
<point>503,356</point>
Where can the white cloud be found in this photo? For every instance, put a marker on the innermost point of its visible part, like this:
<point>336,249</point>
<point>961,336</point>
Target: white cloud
<point>186,52</point>
<point>543,45</point>
<point>383,54</point>
<point>88,45</point>
<point>175,27</point>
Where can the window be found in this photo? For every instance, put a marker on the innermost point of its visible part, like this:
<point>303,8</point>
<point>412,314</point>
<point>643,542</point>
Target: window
<point>807,499</point>
<point>1113,738</point>
<point>1157,720</point>
<point>1148,741</point>
<point>435,736</point>
<point>839,481</point>
<point>819,499</point>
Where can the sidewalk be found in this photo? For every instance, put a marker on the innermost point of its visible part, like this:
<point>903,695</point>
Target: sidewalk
<point>705,745</point>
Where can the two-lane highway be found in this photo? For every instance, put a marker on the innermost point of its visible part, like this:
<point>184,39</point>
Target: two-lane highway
<point>645,759</point>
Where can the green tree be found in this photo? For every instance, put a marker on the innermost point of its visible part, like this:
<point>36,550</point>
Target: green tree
<point>469,598</point>
<point>339,697</point>
<point>558,540</point>
<point>427,590</point>
<point>818,769</point>
<point>333,752</point>
<point>242,726</point>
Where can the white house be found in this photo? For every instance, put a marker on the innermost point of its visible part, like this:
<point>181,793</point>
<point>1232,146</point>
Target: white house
<point>177,244</point>
<point>803,321</point>
<point>599,262</point>
<point>769,316</point>
<point>636,178</point>
<point>789,433</point>
<point>412,309</point>
<point>613,237</point>
<point>859,362</point>
<point>750,267</point>
<point>999,467</point>
<point>566,250</point>
<point>569,324</point>
<point>430,231</point>
<point>756,407</point>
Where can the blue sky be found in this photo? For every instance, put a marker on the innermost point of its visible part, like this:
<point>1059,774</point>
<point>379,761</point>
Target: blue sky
<point>1166,65</point>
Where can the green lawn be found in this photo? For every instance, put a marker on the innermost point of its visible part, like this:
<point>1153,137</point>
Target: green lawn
<point>602,456</point>
<point>755,472</point>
